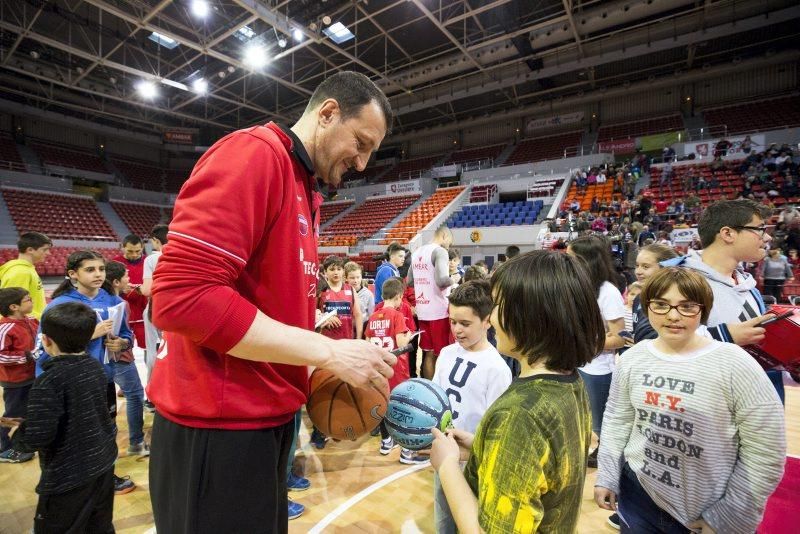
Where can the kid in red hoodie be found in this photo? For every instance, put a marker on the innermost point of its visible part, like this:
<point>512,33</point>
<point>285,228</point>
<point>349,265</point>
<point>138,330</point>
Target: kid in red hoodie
<point>17,366</point>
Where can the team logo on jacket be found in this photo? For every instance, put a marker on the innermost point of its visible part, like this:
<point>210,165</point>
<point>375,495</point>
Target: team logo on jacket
<point>303,225</point>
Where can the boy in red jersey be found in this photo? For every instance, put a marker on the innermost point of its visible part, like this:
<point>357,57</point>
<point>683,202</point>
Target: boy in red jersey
<point>388,328</point>
<point>348,322</point>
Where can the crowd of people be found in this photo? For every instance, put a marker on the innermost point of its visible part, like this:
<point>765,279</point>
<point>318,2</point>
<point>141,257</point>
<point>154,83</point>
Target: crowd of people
<point>682,443</point>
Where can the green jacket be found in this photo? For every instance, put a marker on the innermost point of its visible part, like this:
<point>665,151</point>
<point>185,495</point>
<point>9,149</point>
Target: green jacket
<point>22,273</point>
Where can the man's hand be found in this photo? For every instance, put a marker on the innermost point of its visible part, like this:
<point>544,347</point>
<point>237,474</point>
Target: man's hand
<point>103,328</point>
<point>749,332</point>
<point>701,526</point>
<point>360,363</point>
<point>605,498</point>
<point>115,343</point>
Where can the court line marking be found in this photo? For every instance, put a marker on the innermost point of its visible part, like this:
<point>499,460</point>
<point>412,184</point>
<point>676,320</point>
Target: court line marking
<point>361,495</point>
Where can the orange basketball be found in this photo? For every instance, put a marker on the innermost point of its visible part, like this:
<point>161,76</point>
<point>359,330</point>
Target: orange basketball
<point>342,411</point>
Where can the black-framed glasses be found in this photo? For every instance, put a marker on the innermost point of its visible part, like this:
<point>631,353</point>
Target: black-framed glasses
<point>687,309</point>
<point>759,230</point>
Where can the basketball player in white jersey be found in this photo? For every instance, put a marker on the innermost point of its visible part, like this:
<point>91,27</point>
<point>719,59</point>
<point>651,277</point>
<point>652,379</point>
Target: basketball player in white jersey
<point>430,277</point>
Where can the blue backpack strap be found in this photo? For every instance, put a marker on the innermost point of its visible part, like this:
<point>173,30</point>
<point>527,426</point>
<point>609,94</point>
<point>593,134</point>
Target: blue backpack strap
<point>757,295</point>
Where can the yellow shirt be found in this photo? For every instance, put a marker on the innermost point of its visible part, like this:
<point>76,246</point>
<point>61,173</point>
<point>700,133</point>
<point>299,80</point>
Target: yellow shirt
<point>22,273</point>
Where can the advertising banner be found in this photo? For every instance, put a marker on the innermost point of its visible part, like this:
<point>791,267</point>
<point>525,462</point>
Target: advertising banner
<point>658,141</point>
<point>180,136</point>
<point>683,236</point>
<point>556,120</point>
<point>620,146</point>
<point>705,149</point>
<point>411,186</point>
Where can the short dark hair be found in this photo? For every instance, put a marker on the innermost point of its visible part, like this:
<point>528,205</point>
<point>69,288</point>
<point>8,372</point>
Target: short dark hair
<point>475,294</point>
<point>70,325</point>
<point>595,250</point>
<point>160,231</point>
<point>332,261</point>
<point>692,285</point>
<point>115,271</point>
<point>392,287</point>
<point>453,253</point>
<point>394,247</point>
<point>730,213</point>
<point>473,272</point>
<point>512,251</point>
<point>10,296</point>
<point>32,240</point>
<point>353,91</point>
<point>132,239</point>
<point>561,323</point>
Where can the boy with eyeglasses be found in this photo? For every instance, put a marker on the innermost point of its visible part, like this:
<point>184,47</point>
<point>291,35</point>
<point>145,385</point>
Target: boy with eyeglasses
<point>733,232</point>
<point>689,444</point>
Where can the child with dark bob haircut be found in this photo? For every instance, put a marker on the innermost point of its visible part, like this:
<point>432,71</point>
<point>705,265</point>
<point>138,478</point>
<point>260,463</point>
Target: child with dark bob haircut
<point>527,460</point>
<point>693,433</point>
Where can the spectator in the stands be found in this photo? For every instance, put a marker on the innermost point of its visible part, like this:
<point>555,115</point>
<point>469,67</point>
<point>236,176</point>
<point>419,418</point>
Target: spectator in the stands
<point>747,145</point>
<point>661,205</point>
<point>681,222</point>
<point>601,177</point>
<point>793,257</point>
<point>779,236</point>
<point>599,225</point>
<point>595,205</point>
<point>714,182</point>
<point>790,215</point>
<point>581,182</point>
<point>644,235</point>
<point>789,188</point>
<point>574,205</point>
<point>692,202</point>
<point>721,148</point>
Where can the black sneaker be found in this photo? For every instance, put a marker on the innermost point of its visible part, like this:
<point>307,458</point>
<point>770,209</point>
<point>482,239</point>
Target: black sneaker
<point>123,485</point>
<point>591,461</point>
<point>149,406</point>
<point>613,520</point>
<point>11,456</point>
<point>318,439</point>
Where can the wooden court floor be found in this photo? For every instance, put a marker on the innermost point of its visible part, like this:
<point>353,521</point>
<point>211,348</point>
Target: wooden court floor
<point>352,491</point>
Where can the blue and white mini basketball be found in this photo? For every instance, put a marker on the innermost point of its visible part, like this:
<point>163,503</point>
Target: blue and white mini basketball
<point>415,406</point>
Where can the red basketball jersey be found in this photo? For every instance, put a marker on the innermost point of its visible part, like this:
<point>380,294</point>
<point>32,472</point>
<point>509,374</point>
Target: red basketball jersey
<point>342,301</point>
<point>382,329</point>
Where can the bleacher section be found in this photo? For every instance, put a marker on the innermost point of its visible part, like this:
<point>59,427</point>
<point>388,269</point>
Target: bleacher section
<point>140,174</point>
<point>543,148</point>
<point>500,214</point>
<point>409,166</point>
<point>405,230</point>
<point>475,154</point>
<point>730,181</point>
<point>9,155</point>
<point>56,262</point>
<point>765,115</point>
<point>365,220</point>
<point>58,216</point>
<point>603,192</point>
<point>175,179</point>
<point>329,210</point>
<point>638,128</point>
<point>482,193</point>
<point>140,218</point>
<point>71,157</point>
<point>369,174</point>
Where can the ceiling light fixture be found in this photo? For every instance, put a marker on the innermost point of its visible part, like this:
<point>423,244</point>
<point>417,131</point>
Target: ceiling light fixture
<point>297,35</point>
<point>200,86</point>
<point>200,8</point>
<point>147,89</point>
<point>255,56</point>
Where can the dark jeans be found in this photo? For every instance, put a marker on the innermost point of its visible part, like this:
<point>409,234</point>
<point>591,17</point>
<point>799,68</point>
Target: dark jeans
<point>774,288</point>
<point>776,377</point>
<point>16,405</point>
<point>87,509</point>
<point>638,513</point>
<point>597,387</point>
<point>205,480</point>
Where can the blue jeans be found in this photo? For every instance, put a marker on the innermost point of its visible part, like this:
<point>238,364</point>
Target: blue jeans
<point>127,378</point>
<point>637,511</point>
<point>597,387</point>
<point>442,516</point>
<point>776,377</point>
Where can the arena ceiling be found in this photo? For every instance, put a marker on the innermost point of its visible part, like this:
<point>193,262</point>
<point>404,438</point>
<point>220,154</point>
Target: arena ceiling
<point>440,61</point>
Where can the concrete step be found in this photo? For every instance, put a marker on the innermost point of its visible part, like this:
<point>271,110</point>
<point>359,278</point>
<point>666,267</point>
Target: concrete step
<point>116,222</point>
<point>8,232</point>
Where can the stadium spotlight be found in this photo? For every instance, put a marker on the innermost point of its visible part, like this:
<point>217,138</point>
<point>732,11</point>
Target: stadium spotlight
<point>147,89</point>
<point>200,8</point>
<point>200,86</point>
<point>297,35</point>
<point>282,42</point>
<point>255,56</point>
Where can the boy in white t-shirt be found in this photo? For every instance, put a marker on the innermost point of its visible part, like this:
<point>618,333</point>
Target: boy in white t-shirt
<point>152,335</point>
<point>471,371</point>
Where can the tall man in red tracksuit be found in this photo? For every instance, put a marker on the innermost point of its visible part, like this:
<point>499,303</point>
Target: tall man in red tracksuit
<point>235,294</point>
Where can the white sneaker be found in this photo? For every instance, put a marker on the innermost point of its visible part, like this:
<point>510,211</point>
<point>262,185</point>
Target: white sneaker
<point>409,457</point>
<point>387,445</point>
<point>140,449</point>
